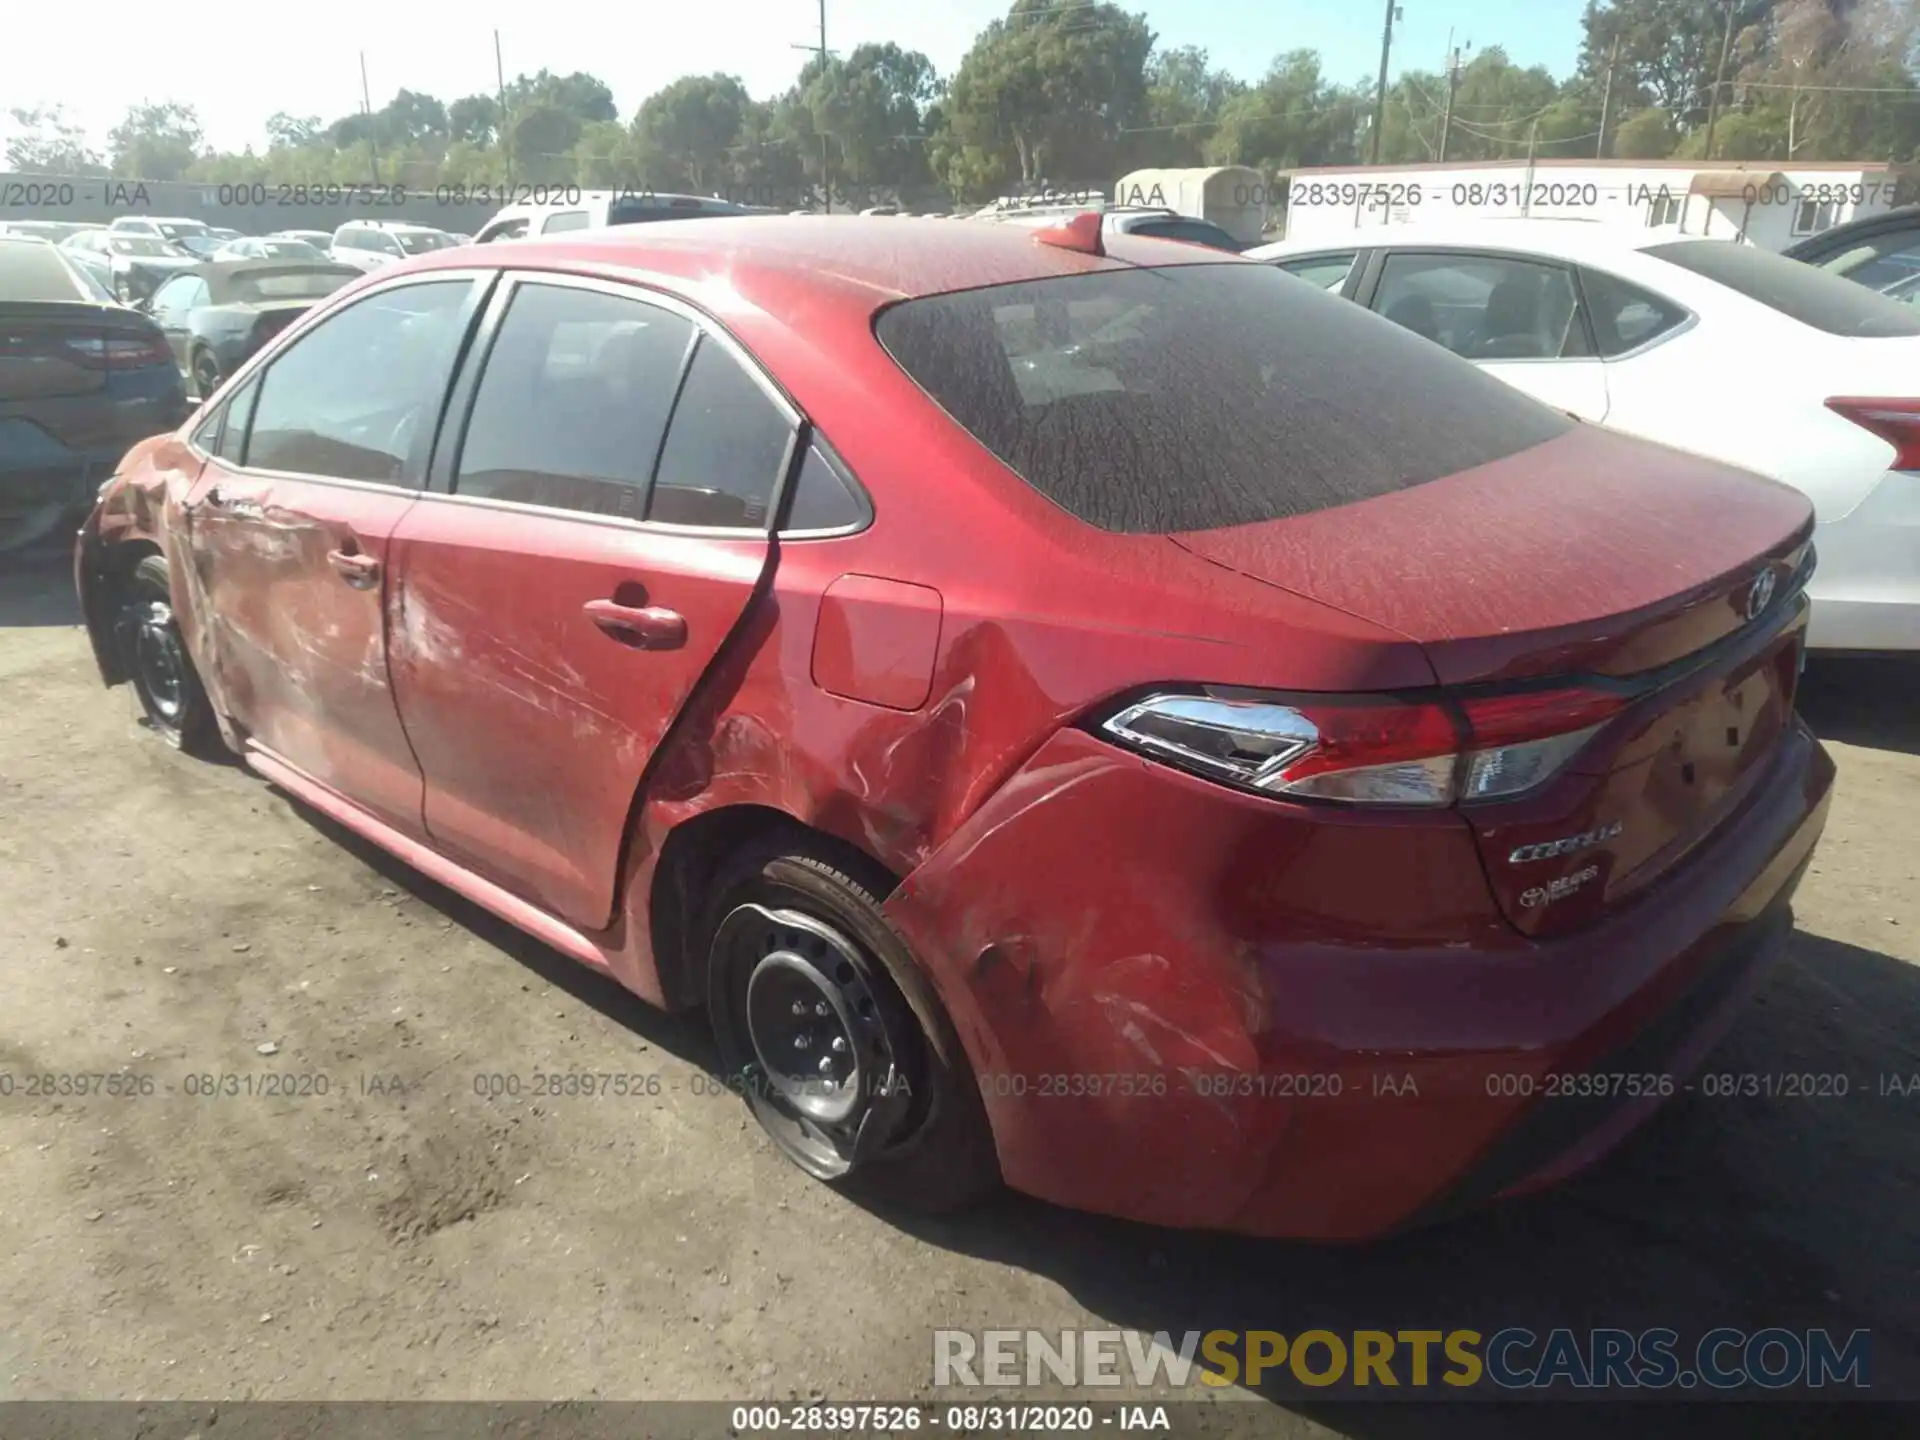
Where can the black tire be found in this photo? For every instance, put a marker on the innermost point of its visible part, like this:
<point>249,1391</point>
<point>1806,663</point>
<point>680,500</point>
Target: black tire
<point>206,374</point>
<point>793,911</point>
<point>163,675</point>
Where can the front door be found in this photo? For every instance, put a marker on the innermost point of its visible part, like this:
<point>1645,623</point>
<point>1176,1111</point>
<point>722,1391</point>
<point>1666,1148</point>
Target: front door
<point>588,546</point>
<point>289,531</point>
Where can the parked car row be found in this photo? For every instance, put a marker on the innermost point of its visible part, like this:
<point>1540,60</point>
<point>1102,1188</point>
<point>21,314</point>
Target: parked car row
<point>1727,350</point>
<point>1070,707</point>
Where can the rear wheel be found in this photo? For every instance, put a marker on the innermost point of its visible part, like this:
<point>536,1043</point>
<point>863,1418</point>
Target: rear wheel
<point>163,675</point>
<point>840,1047</point>
<point>206,374</point>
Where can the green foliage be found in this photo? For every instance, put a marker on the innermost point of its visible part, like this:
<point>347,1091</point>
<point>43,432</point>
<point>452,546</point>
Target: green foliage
<point>1075,93</point>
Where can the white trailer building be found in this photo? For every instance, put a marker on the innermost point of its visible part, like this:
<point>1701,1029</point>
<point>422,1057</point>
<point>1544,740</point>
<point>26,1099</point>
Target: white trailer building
<point>1757,202</point>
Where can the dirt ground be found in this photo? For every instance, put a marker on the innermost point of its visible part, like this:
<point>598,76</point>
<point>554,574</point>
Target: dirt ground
<point>413,1239</point>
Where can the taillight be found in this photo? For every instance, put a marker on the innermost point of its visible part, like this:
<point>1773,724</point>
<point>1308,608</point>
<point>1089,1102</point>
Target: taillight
<point>1895,421</point>
<point>118,352</point>
<point>1364,750</point>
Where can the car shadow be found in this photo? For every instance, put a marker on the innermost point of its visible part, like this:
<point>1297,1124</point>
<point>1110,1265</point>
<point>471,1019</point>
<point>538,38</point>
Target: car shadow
<point>1745,1212</point>
<point>36,585</point>
<point>1752,1212</point>
<point>1864,700</point>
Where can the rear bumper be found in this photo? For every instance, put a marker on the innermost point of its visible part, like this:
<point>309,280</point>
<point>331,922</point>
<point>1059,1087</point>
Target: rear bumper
<point>1145,1053</point>
<point>1866,592</point>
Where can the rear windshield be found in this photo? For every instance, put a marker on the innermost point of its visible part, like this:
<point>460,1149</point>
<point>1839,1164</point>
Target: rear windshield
<point>285,285</point>
<point>1799,291</point>
<point>418,242</point>
<point>33,270</point>
<point>1152,401</point>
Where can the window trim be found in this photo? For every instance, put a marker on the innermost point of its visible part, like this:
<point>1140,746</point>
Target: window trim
<point>254,370</point>
<point>810,437</point>
<point>1387,254</point>
<point>452,433</point>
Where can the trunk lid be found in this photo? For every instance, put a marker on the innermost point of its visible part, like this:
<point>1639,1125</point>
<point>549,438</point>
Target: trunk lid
<point>52,348</point>
<point>1598,562</point>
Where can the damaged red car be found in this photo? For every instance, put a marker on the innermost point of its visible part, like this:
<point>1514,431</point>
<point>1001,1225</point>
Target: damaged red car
<point>1091,713</point>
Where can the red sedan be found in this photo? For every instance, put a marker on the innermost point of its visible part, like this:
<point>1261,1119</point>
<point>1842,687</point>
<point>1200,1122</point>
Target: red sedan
<point>1129,724</point>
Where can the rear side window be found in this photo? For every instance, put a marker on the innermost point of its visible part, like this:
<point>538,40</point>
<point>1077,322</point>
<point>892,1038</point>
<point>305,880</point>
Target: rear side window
<point>823,497</point>
<point>1624,316</point>
<point>724,451</point>
<point>1798,291</point>
<point>565,220</point>
<point>573,401</point>
<point>1151,401</point>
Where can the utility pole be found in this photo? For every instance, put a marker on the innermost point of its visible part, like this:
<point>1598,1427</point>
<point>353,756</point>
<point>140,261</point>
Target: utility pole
<point>366,106</point>
<point>1719,77</point>
<point>500,79</point>
<point>1380,90</point>
<point>826,176</point>
<point>1533,142</point>
<point>1453,82</point>
<point>1606,101</point>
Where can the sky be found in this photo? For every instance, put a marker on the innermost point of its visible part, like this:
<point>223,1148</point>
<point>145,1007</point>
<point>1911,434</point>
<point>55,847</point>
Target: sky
<point>236,68</point>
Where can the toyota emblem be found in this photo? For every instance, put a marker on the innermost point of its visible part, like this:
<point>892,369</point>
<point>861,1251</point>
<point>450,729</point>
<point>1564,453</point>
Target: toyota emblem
<point>1761,595</point>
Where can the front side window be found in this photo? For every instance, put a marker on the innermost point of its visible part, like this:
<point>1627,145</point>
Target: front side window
<point>354,396</point>
<point>1484,307</point>
<point>1157,400</point>
<point>724,449</point>
<point>180,294</point>
<point>1329,272</point>
<point>573,402</point>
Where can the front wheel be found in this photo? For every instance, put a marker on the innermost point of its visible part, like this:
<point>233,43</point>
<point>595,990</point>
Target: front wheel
<point>163,675</point>
<point>838,1044</point>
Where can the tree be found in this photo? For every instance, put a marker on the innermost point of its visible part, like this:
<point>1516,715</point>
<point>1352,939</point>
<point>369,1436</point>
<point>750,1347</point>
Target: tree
<point>692,127</point>
<point>1050,89</point>
<point>1185,95</point>
<point>292,132</point>
<point>1292,118</point>
<point>870,104</point>
<point>474,119</point>
<point>1669,49</point>
<point>1645,135</point>
<point>49,144</point>
<point>155,142</point>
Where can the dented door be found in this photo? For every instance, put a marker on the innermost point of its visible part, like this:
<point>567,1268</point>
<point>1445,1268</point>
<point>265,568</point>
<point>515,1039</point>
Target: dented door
<point>292,572</point>
<point>289,535</point>
<point>602,534</point>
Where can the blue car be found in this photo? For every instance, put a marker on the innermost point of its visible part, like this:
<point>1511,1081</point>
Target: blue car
<point>82,379</point>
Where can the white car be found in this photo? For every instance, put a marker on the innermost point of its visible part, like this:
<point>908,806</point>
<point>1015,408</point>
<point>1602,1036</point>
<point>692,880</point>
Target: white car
<point>369,244</point>
<point>1707,345</point>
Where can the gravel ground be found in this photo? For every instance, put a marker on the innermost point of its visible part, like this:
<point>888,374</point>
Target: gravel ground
<point>403,1237</point>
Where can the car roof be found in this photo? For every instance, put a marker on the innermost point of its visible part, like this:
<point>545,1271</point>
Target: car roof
<point>783,264</point>
<point>1561,239</point>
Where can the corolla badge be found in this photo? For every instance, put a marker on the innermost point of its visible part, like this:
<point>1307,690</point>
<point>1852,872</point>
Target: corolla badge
<point>1546,894</point>
<point>1761,595</point>
<point>1567,845</point>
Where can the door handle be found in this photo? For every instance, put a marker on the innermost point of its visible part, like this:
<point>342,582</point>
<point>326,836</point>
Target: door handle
<point>652,627</point>
<point>362,572</point>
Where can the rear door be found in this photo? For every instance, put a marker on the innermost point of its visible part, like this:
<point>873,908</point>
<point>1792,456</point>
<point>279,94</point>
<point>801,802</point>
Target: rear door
<point>598,525</point>
<point>288,529</point>
<point>1517,317</point>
